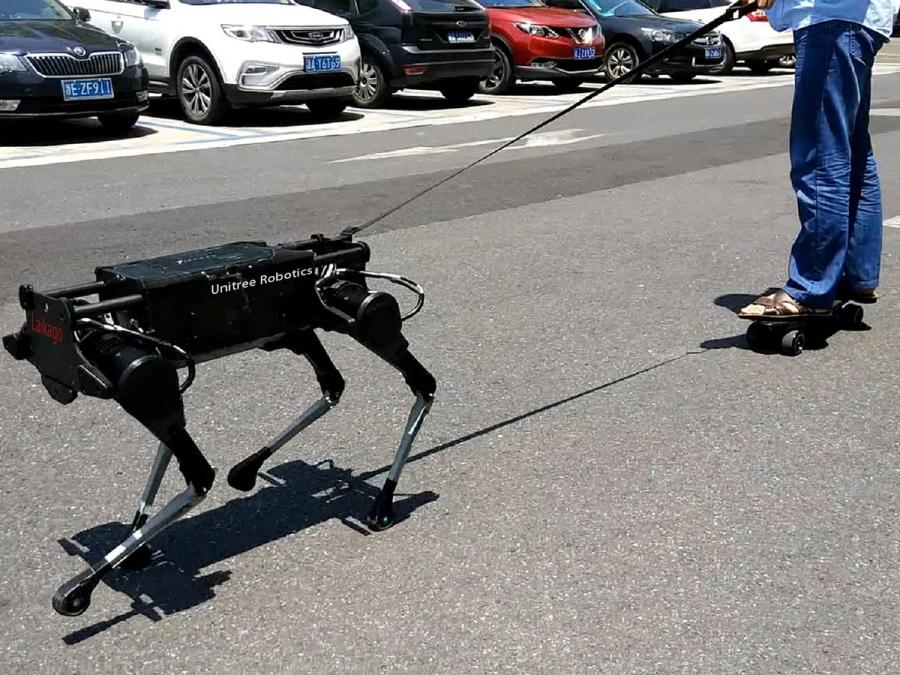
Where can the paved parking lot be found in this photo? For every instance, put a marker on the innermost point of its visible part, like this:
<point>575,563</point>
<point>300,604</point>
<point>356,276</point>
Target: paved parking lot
<point>610,480</point>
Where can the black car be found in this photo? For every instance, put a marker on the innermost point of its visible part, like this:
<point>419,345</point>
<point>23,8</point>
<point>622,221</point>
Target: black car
<point>634,32</point>
<point>52,64</point>
<point>441,44</point>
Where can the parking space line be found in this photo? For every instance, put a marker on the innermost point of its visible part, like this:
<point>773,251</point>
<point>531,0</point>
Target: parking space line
<point>893,222</point>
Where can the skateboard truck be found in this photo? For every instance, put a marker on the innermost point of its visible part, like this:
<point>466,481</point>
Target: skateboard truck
<point>153,317</point>
<point>791,334</point>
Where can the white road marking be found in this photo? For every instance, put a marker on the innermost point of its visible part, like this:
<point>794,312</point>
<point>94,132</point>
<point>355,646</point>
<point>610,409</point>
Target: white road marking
<point>538,140</point>
<point>893,222</point>
<point>177,136</point>
<point>885,112</point>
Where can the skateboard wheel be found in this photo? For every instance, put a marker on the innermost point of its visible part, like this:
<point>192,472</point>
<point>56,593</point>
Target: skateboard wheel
<point>792,343</point>
<point>852,316</point>
<point>757,335</point>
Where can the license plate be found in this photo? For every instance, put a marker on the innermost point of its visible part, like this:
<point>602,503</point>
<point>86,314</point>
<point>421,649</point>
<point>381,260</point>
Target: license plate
<point>321,64</point>
<point>86,90</point>
<point>584,52</point>
<point>714,53</point>
<point>460,36</point>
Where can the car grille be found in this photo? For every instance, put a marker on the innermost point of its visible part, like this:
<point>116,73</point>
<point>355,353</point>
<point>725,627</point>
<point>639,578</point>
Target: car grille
<point>65,65</point>
<point>581,36</point>
<point>709,40</point>
<point>316,37</point>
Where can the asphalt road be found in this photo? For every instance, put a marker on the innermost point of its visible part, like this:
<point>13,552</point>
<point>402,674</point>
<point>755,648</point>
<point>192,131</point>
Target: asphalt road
<point>610,481</point>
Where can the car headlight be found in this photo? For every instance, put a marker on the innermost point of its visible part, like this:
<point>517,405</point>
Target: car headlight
<point>537,30</point>
<point>249,33</point>
<point>658,35</point>
<point>348,33</point>
<point>132,56</point>
<point>10,63</point>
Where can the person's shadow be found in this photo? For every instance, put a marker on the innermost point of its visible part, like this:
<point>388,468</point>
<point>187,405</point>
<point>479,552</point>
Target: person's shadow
<point>735,301</point>
<point>298,496</point>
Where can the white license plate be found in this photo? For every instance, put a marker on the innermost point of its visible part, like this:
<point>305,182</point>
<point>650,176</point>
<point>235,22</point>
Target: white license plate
<point>88,89</point>
<point>457,36</point>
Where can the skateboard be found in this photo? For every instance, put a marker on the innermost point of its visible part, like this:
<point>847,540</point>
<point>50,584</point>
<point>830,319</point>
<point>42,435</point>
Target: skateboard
<point>791,333</point>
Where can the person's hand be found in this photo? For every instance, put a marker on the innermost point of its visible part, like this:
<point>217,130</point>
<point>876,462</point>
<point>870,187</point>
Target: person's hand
<point>762,4</point>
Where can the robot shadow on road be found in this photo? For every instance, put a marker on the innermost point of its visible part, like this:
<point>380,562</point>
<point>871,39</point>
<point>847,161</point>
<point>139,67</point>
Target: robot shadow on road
<point>298,496</point>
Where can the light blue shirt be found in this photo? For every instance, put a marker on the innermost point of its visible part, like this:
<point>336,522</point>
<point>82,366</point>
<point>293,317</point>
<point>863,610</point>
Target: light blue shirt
<point>795,14</point>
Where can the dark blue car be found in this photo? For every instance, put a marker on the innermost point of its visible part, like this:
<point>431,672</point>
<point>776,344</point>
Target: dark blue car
<point>53,64</point>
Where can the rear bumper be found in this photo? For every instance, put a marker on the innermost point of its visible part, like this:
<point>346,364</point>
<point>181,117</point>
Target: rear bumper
<point>413,66</point>
<point>767,53</point>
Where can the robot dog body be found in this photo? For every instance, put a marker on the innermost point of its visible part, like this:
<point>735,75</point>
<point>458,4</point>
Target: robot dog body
<point>157,315</point>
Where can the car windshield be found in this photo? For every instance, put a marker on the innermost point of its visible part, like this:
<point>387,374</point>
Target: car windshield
<point>618,8</point>
<point>33,10</point>
<point>236,2</point>
<point>511,3</point>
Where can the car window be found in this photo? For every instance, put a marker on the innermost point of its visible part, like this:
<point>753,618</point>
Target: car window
<point>511,3</point>
<point>618,8</point>
<point>33,10</point>
<point>338,7</point>
<point>687,5</point>
<point>366,6</point>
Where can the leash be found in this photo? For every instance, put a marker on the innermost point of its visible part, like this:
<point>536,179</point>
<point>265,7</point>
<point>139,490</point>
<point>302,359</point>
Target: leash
<point>731,13</point>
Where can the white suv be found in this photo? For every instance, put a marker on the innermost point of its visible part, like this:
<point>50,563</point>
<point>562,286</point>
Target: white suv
<point>218,54</point>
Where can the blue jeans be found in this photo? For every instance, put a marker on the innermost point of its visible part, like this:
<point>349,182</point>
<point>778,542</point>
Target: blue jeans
<point>833,167</point>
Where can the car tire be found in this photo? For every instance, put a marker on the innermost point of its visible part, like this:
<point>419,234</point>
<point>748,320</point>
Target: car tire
<point>682,78</point>
<point>459,90</point>
<point>503,78</point>
<point>372,90</point>
<point>619,59</point>
<point>327,108</point>
<point>760,67</point>
<point>200,92</point>
<point>568,86</point>
<point>119,124</point>
<point>727,63</point>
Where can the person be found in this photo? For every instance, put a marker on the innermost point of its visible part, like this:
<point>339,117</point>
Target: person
<point>837,253</point>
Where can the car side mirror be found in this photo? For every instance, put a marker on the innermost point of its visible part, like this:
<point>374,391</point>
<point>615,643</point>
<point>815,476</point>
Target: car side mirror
<point>81,14</point>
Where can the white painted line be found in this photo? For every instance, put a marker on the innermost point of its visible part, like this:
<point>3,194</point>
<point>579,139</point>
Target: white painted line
<point>885,112</point>
<point>893,222</point>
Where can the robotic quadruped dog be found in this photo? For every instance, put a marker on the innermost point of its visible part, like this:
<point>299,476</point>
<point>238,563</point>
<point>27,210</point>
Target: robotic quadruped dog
<point>156,316</point>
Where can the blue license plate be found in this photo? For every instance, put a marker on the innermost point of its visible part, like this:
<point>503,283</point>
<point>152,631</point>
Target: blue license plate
<point>714,53</point>
<point>86,90</point>
<point>584,52</point>
<point>322,63</point>
<point>456,36</point>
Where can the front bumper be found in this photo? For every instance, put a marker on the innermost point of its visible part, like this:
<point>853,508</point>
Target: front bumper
<point>691,59</point>
<point>549,69</point>
<point>42,97</point>
<point>414,66</point>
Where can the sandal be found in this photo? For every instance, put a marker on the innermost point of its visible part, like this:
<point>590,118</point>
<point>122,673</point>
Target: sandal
<point>866,296</point>
<point>779,305</point>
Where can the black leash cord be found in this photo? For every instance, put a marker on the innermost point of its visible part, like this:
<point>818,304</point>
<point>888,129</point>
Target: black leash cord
<point>732,12</point>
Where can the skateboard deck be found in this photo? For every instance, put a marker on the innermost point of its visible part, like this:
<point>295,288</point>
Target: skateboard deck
<point>791,333</point>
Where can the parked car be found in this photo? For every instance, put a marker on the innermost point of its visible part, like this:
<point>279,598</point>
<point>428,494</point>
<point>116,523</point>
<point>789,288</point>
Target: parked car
<point>535,42</point>
<point>437,44</point>
<point>215,55</point>
<point>634,32</point>
<point>52,64</point>
<point>749,39</point>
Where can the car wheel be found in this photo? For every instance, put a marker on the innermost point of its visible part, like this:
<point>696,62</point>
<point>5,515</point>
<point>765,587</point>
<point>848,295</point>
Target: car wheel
<point>118,124</point>
<point>327,108</point>
<point>788,61</point>
<point>568,86</point>
<point>200,92</point>
<point>459,90</point>
<point>727,63</point>
<point>760,67</point>
<point>682,78</point>
<point>372,90</point>
<point>502,79</point>
<point>620,59</point>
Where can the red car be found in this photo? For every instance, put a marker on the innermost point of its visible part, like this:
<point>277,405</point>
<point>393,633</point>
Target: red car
<point>535,42</point>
